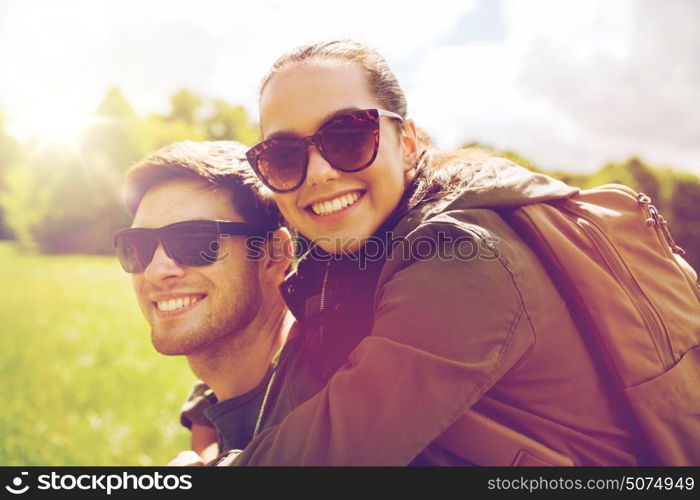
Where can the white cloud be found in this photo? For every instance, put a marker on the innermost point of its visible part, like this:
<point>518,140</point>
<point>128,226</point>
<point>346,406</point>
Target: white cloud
<point>573,84</point>
<point>75,50</point>
<point>628,77</point>
<point>567,84</point>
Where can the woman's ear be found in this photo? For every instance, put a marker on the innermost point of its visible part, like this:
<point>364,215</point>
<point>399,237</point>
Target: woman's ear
<point>409,146</point>
<point>409,142</point>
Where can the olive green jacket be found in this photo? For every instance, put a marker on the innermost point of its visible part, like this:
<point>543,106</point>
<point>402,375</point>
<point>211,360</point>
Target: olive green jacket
<point>466,321</point>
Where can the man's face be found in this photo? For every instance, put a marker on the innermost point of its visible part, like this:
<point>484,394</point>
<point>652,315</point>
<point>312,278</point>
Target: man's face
<point>191,309</point>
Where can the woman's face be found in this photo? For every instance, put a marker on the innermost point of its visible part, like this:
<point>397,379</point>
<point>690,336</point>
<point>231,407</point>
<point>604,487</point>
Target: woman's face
<point>297,101</point>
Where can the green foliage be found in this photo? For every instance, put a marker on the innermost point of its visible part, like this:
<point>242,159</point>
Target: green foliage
<point>66,226</point>
<point>633,173</point>
<point>675,194</point>
<point>10,152</point>
<point>81,383</point>
<point>684,208</point>
<point>515,157</point>
<point>114,141</point>
<point>184,107</point>
<point>230,123</point>
<point>66,198</point>
<point>161,130</point>
<point>115,105</point>
<point>27,196</point>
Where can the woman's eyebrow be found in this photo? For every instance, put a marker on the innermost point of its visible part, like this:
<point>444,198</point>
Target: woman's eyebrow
<point>283,134</point>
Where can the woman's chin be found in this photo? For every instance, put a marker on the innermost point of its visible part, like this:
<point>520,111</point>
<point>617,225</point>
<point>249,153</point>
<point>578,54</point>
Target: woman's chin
<point>345,236</point>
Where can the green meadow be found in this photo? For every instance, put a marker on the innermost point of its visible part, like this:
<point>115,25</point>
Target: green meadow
<point>80,381</point>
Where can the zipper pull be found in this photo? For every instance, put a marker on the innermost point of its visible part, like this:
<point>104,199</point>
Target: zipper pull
<point>324,284</point>
<point>657,220</point>
<point>645,201</point>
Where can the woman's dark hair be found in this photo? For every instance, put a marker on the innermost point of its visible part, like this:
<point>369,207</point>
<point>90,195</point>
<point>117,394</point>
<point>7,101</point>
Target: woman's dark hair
<point>441,175</point>
<point>381,79</point>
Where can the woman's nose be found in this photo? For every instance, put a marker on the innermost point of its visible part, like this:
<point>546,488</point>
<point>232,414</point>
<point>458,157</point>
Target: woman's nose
<point>319,170</point>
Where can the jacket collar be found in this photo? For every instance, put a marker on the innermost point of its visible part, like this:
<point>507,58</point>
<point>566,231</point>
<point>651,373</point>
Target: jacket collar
<point>496,184</point>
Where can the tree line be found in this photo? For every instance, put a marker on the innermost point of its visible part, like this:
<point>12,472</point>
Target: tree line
<point>65,198</point>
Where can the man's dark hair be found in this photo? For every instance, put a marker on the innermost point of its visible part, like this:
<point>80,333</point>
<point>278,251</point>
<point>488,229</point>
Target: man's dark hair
<point>221,164</point>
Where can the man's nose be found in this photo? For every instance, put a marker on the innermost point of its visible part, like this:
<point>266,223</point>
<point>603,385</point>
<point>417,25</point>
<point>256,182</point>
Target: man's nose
<point>319,170</point>
<point>162,267</point>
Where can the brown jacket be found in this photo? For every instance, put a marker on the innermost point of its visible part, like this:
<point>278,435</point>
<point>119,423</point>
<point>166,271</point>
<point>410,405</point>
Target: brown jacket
<point>472,323</point>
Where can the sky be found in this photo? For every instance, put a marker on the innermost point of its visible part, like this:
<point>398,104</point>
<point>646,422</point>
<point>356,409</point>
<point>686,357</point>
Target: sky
<point>569,85</point>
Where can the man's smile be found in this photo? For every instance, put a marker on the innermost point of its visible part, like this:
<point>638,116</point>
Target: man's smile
<point>176,304</point>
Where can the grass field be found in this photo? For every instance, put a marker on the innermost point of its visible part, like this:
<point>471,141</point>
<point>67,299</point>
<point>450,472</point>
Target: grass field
<point>79,379</point>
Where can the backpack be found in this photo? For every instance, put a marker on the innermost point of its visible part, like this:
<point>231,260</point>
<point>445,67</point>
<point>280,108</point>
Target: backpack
<point>636,300</point>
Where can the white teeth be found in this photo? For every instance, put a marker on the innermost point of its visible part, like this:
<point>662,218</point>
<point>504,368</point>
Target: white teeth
<point>333,206</point>
<point>174,304</point>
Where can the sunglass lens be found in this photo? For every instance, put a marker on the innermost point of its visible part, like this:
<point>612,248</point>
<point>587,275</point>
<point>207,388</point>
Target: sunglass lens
<point>135,251</point>
<point>282,165</point>
<point>193,247</point>
<point>349,144</point>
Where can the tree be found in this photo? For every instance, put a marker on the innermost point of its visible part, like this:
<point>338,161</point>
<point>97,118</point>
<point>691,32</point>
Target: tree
<point>115,140</point>
<point>683,216</point>
<point>184,107</point>
<point>675,195</point>
<point>230,123</point>
<point>10,153</point>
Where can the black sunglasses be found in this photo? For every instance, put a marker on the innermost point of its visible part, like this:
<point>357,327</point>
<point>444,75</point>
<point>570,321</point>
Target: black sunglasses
<point>348,141</point>
<point>189,243</point>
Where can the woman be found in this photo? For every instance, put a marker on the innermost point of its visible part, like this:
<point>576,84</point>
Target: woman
<point>417,306</point>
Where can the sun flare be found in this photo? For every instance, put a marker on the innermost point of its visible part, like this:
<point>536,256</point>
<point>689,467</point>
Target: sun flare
<point>54,126</point>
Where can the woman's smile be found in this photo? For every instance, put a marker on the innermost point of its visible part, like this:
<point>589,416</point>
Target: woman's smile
<point>337,208</point>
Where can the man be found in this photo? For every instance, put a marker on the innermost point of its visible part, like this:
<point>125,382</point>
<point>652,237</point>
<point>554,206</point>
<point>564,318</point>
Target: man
<point>208,290</point>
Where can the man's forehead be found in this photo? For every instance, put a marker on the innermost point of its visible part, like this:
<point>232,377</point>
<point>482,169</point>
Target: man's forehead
<point>177,200</point>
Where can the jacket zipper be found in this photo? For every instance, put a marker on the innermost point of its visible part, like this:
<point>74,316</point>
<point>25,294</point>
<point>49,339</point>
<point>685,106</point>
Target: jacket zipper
<point>324,285</point>
<point>619,269</point>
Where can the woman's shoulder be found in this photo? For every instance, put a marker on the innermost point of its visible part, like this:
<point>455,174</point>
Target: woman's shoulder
<point>486,188</point>
<point>443,239</point>
<point>450,217</point>
<point>466,230</point>
<point>461,182</point>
